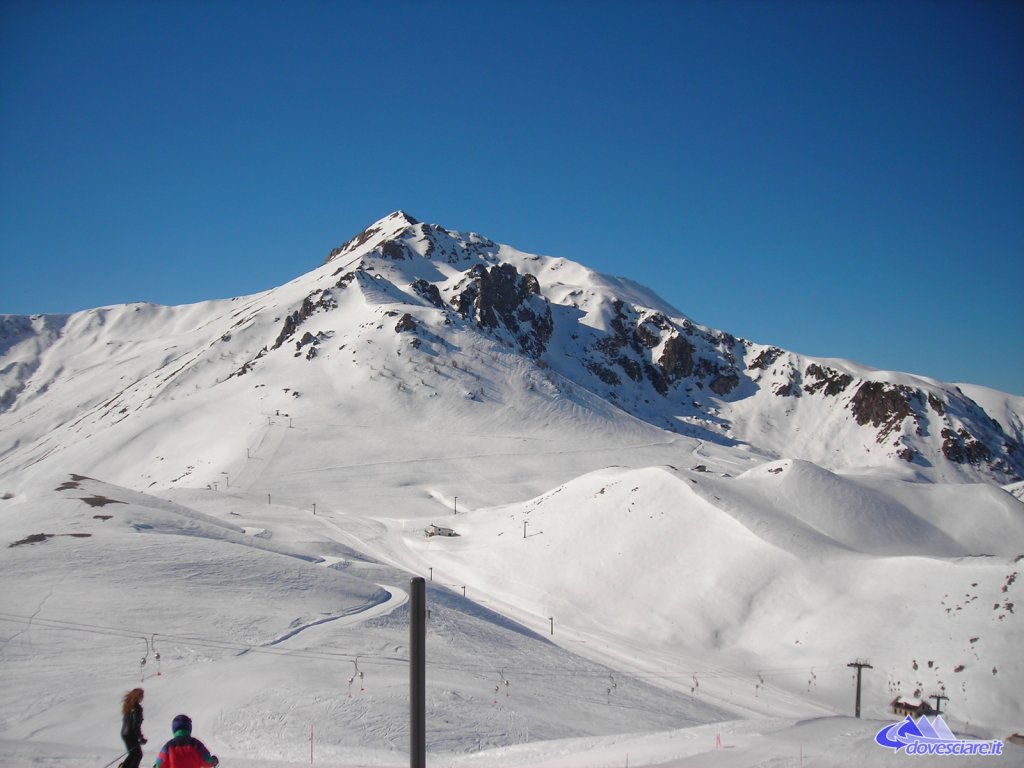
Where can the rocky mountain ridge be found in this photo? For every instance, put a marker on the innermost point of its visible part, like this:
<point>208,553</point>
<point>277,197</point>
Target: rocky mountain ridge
<point>424,286</point>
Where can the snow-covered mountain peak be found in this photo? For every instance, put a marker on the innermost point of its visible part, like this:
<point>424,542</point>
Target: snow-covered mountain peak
<point>413,298</point>
<point>380,231</point>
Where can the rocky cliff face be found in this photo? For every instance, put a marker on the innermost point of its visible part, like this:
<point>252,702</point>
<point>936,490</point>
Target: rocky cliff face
<point>924,425</point>
<point>500,301</point>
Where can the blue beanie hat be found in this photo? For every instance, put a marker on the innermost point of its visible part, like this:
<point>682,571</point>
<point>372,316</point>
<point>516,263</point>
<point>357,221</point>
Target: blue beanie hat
<point>182,723</point>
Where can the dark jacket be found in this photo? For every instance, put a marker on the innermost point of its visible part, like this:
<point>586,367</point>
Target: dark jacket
<point>131,727</point>
<point>184,751</point>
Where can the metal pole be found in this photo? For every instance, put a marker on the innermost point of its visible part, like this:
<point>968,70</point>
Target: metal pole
<point>859,665</point>
<point>417,672</point>
<point>857,707</point>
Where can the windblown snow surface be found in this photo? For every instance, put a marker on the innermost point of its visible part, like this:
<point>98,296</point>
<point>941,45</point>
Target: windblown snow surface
<point>241,546</point>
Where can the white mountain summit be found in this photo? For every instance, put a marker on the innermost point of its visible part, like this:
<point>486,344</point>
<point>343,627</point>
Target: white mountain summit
<point>408,297</point>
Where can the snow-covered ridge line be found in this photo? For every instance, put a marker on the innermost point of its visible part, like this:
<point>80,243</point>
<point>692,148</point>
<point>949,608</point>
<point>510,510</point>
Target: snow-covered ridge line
<point>426,284</point>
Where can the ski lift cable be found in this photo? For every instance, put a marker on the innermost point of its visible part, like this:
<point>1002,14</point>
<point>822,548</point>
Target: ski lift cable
<point>391,660</point>
<point>49,624</point>
<point>482,672</point>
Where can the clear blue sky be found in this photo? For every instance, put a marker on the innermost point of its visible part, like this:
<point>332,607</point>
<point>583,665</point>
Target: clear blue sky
<point>843,179</point>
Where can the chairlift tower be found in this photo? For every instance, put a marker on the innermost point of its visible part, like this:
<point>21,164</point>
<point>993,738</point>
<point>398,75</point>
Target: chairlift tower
<point>939,698</point>
<point>859,665</point>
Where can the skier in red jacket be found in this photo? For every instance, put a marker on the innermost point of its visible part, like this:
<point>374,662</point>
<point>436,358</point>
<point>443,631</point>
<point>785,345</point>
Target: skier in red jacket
<point>184,751</point>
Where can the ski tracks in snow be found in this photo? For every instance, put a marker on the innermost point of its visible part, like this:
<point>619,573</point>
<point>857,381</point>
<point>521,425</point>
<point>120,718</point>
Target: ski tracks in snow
<point>392,598</point>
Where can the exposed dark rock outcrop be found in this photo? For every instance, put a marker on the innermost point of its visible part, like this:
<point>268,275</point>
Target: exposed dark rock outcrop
<point>605,374</point>
<point>657,378</point>
<point>345,280</point>
<point>429,292</point>
<point>789,389</point>
<point>882,405</point>
<point>724,383</point>
<point>644,346</point>
<point>312,342</point>
<point>828,380</point>
<point>394,250</point>
<point>500,299</point>
<point>677,359</point>
<point>766,358</point>
<point>405,323</point>
<point>296,318</point>
<point>962,447</point>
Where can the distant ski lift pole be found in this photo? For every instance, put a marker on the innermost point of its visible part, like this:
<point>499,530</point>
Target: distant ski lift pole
<point>456,505</point>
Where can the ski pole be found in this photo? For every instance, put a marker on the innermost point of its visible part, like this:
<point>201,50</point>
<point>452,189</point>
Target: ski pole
<point>123,754</point>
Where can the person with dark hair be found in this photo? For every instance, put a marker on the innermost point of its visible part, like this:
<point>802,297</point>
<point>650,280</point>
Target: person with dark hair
<point>184,751</point>
<point>131,727</point>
